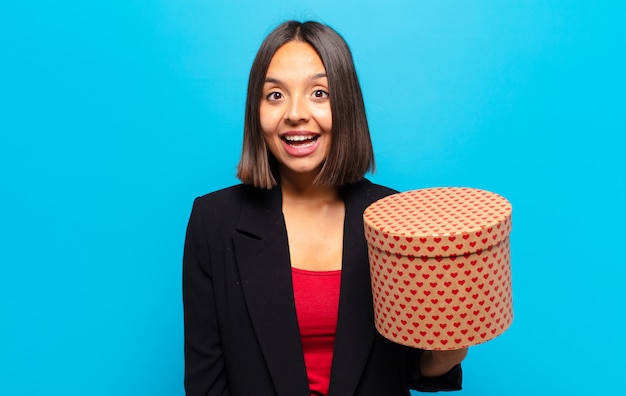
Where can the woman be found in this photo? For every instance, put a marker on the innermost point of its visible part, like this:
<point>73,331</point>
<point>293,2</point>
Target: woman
<point>276,283</point>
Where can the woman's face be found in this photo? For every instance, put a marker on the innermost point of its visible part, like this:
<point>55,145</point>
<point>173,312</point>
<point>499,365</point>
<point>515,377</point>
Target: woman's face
<point>295,109</point>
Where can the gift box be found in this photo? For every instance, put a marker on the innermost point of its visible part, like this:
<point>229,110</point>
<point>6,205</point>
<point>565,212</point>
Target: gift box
<point>440,266</point>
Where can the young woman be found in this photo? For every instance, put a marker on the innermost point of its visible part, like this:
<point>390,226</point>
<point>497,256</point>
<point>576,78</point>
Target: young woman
<point>276,285</point>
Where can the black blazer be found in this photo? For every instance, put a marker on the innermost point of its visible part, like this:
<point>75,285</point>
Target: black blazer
<point>241,331</point>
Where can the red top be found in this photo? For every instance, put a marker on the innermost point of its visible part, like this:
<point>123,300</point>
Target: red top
<point>317,302</point>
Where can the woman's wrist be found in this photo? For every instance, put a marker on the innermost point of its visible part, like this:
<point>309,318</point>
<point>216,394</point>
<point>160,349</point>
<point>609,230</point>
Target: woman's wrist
<point>436,363</point>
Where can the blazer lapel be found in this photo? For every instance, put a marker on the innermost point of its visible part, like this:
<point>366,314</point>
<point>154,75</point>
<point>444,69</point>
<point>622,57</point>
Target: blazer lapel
<point>262,254</point>
<point>355,325</point>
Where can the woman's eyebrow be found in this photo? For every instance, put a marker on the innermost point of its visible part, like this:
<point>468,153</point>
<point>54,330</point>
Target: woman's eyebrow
<point>315,76</point>
<point>318,76</point>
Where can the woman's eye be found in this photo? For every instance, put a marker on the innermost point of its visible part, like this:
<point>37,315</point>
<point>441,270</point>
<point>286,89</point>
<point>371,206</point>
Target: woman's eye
<point>272,96</point>
<point>320,94</point>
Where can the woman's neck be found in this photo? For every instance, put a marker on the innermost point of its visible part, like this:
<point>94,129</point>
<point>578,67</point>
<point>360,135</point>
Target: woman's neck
<point>302,190</point>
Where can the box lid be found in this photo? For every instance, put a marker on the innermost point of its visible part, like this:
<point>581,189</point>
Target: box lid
<point>438,222</point>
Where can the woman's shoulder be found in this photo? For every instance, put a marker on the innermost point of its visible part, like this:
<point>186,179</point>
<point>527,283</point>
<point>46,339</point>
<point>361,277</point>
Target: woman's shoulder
<point>226,194</point>
<point>380,189</point>
<point>367,191</point>
<point>231,199</point>
<point>217,198</point>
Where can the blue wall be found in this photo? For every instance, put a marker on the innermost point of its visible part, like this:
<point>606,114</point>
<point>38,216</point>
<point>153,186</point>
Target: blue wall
<point>114,115</point>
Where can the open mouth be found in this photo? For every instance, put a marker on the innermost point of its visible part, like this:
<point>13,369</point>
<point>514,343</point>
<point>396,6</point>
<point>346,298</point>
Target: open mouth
<point>300,141</point>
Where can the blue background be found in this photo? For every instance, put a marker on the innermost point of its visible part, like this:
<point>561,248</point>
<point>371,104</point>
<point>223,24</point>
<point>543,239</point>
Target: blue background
<point>115,114</point>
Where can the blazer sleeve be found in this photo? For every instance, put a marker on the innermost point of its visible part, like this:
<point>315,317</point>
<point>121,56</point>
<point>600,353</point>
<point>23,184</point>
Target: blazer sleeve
<point>450,381</point>
<point>205,372</point>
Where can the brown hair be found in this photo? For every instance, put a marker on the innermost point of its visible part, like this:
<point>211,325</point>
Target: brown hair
<point>351,154</point>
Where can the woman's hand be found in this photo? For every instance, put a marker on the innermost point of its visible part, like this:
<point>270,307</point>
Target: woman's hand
<point>436,363</point>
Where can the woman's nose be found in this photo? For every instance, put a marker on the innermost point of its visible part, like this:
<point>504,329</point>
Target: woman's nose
<point>298,110</point>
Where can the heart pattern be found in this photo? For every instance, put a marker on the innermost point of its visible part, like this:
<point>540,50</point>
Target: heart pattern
<point>440,266</point>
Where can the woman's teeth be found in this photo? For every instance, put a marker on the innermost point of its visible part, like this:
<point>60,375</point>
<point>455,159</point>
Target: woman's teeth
<point>302,141</point>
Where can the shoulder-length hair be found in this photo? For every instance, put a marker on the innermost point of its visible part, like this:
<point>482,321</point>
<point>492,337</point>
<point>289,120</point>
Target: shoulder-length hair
<point>351,154</point>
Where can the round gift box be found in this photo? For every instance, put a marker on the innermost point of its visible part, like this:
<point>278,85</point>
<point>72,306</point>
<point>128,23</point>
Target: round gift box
<point>440,266</point>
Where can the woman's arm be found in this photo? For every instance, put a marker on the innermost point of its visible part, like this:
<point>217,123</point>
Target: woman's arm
<point>205,373</point>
